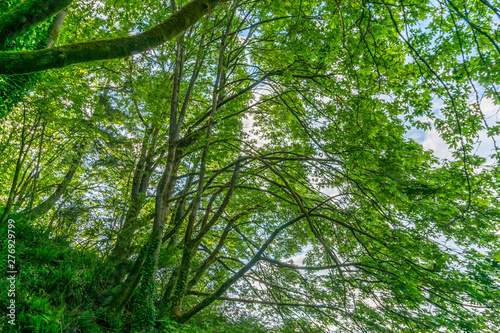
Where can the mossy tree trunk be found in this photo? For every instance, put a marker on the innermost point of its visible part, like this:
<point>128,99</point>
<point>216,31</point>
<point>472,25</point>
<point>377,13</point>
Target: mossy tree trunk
<point>19,62</point>
<point>27,15</point>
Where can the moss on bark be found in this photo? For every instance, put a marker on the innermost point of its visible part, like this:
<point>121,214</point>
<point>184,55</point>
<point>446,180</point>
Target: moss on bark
<point>28,14</point>
<point>32,61</point>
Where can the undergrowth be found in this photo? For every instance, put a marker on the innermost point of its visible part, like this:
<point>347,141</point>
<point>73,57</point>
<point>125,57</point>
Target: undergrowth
<point>61,287</point>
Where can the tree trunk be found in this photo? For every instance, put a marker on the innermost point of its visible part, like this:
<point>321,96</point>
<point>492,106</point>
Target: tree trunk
<point>56,28</point>
<point>140,184</point>
<point>27,15</point>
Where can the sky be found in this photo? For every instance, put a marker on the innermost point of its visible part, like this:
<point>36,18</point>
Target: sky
<point>432,141</point>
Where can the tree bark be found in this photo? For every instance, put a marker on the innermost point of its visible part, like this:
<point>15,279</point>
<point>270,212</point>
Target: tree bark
<point>19,62</point>
<point>28,14</point>
<point>56,28</point>
<point>140,184</point>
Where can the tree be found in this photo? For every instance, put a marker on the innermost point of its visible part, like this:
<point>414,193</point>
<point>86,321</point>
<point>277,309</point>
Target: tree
<point>193,172</point>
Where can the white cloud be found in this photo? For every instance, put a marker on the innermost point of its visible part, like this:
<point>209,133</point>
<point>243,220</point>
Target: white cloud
<point>250,129</point>
<point>330,191</point>
<point>433,141</point>
<point>299,258</point>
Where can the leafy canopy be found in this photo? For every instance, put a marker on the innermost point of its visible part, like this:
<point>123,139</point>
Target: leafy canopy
<point>266,170</point>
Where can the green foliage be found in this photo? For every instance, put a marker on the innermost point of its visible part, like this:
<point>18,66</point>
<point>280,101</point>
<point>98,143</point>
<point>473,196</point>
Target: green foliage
<point>341,217</point>
<point>52,283</point>
<point>213,323</point>
<point>144,309</point>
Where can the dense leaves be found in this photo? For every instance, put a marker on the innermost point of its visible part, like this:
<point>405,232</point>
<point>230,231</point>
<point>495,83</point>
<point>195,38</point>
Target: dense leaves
<point>268,170</point>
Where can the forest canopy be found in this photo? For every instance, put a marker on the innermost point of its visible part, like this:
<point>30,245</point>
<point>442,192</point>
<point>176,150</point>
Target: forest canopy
<point>250,166</point>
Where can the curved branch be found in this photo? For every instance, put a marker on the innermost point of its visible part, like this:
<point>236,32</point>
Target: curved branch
<point>306,268</point>
<point>229,282</point>
<point>19,62</point>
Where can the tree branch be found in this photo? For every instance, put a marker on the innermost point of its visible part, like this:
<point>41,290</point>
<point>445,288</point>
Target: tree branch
<point>256,301</point>
<point>306,268</point>
<point>18,62</point>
